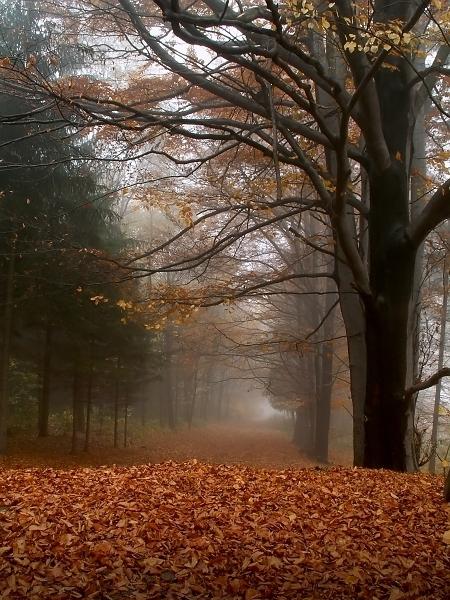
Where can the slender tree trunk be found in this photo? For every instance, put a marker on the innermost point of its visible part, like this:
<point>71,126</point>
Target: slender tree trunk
<point>168,379</point>
<point>323,406</point>
<point>125,419</point>
<point>162,404</point>
<point>116,418</point>
<point>303,429</point>
<point>116,415</point>
<point>101,418</point>
<point>44,398</point>
<point>7,329</point>
<point>323,401</point>
<point>206,403</point>
<point>87,433</point>
<point>193,395</point>
<point>143,404</point>
<point>78,424</point>
<point>116,405</point>
<point>220,398</point>
<point>437,396</point>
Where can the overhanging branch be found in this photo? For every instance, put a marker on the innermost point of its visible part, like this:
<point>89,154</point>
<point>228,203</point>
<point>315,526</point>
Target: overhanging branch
<point>435,212</point>
<point>427,383</point>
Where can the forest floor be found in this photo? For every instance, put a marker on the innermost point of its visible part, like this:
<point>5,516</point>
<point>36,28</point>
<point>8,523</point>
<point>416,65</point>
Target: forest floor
<point>202,530</point>
<point>253,445</point>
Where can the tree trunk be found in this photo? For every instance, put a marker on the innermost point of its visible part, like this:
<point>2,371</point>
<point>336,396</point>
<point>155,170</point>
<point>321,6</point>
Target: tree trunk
<point>447,487</point>
<point>220,397</point>
<point>392,256</point>
<point>323,398</point>
<point>44,398</point>
<point>7,329</point>
<point>143,404</point>
<point>193,393</point>
<point>352,311</point>
<point>303,429</point>
<point>323,405</point>
<point>125,419</point>
<point>87,433</point>
<point>392,261</point>
<point>78,423</point>
<point>116,405</point>
<point>168,378</point>
<point>162,405</point>
<point>418,196</point>
<point>437,396</point>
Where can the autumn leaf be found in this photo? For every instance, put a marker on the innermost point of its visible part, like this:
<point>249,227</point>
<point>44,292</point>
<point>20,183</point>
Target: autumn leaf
<point>194,529</point>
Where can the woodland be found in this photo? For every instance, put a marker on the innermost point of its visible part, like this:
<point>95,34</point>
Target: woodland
<point>224,280</point>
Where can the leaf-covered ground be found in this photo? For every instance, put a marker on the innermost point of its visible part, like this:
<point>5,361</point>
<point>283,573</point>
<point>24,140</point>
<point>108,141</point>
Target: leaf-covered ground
<point>253,445</point>
<point>193,530</point>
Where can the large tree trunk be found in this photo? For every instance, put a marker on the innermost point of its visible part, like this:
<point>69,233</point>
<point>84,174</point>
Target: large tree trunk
<point>44,398</point>
<point>391,267</point>
<point>392,261</point>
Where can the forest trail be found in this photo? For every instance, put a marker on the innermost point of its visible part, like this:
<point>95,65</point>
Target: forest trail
<point>251,445</point>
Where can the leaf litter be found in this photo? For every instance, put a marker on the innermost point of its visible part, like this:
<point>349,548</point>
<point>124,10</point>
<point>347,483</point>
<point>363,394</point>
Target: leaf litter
<point>197,530</point>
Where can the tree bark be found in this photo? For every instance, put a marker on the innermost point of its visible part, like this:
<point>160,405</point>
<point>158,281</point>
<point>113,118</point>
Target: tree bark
<point>392,262</point>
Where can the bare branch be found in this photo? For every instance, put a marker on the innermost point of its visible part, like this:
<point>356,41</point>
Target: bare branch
<point>427,383</point>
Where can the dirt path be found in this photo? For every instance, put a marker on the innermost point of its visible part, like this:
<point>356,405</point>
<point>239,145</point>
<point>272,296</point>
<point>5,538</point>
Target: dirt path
<point>253,446</point>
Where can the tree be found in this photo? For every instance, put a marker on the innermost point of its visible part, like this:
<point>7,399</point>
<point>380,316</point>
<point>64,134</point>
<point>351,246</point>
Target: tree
<point>59,225</point>
<point>330,92</point>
